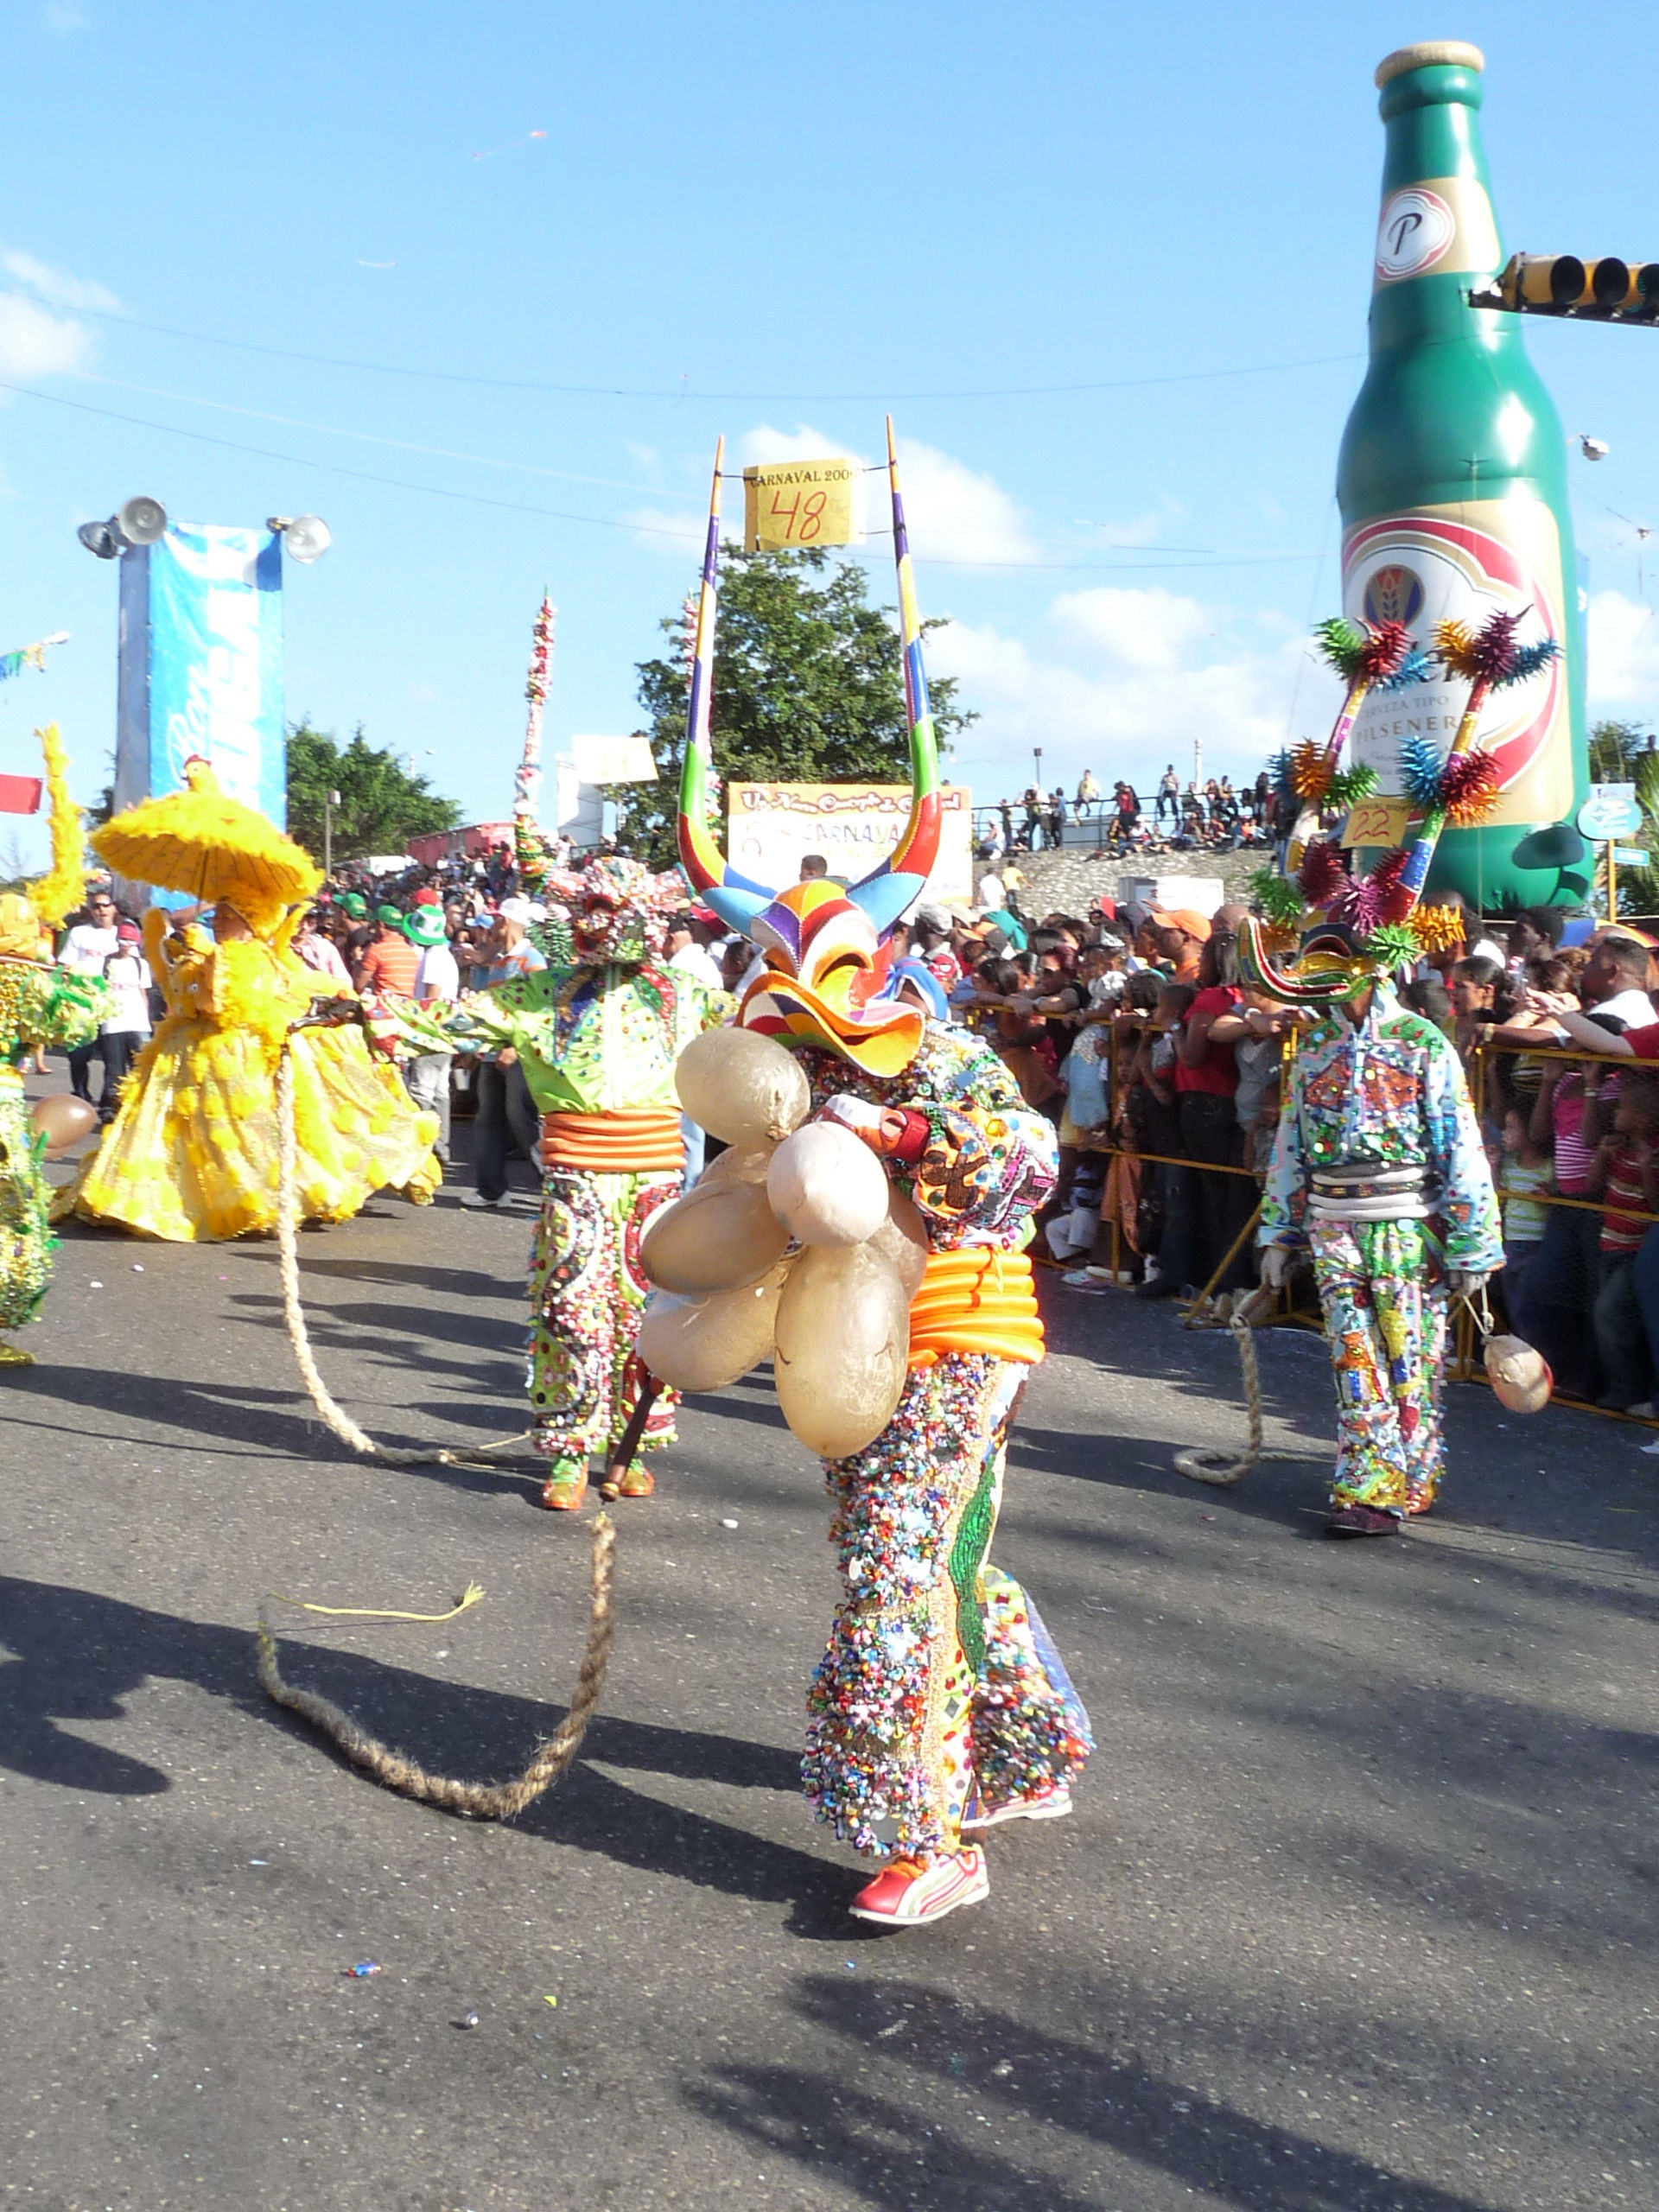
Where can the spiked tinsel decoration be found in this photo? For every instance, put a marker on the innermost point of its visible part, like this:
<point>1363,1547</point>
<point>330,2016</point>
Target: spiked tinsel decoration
<point>1438,928</point>
<point>1311,771</point>
<point>1322,875</point>
<point>1276,897</point>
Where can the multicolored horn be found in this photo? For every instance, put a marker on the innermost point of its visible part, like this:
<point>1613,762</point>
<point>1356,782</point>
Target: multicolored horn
<point>734,898</point>
<point>889,890</point>
<point>1463,788</point>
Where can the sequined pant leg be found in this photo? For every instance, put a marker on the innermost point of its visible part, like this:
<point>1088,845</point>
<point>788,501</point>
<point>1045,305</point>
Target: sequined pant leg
<point>1384,1293</point>
<point>914,1686</point>
<point>586,1294</point>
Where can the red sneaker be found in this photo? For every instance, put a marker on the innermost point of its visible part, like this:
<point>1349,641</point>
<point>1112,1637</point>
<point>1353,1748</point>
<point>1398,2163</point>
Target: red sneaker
<point>1361,1521</point>
<point>1050,1804</point>
<point>910,1892</point>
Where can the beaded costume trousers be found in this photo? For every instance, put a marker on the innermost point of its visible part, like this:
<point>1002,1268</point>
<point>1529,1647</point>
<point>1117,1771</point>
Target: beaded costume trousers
<point>586,1294</point>
<point>940,1681</point>
<point>26,1242</point>
<point>1384,1293</point>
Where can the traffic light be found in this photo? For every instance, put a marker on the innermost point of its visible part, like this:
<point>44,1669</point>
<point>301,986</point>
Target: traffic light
<point>1560,284</point>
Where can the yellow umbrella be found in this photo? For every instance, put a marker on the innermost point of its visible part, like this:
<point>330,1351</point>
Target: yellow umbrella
<point>199,841</point>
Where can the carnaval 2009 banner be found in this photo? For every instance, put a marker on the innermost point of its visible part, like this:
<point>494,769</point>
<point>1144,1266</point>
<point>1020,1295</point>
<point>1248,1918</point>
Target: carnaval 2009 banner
<point>201,666</point>
<point>771,828</point>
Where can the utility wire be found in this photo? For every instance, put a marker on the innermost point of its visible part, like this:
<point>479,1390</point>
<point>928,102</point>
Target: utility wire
<point>689,537</point>
<point>680,391</point>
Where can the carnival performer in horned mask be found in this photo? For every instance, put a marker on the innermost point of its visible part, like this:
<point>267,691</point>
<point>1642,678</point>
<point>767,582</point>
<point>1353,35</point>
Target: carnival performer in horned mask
<point>940,1707</point>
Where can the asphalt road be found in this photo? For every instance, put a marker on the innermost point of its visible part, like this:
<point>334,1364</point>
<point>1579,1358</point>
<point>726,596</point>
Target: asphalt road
<point>1357,1908</point>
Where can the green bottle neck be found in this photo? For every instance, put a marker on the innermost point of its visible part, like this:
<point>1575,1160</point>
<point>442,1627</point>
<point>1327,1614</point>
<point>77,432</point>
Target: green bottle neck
<point>1433,148</point>
<point>1432,118</point>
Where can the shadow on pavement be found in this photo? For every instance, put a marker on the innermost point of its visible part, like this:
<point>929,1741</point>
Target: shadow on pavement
<point>69,1656</point>
<point>953,2067</point>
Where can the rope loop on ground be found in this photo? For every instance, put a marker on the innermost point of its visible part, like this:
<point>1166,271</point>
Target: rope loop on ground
<point>473,1800</point>
<point>1205,1463</point>
<point>334,1415</point>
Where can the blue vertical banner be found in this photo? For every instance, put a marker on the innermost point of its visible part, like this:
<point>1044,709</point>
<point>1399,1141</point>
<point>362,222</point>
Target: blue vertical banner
<point>201,666</point>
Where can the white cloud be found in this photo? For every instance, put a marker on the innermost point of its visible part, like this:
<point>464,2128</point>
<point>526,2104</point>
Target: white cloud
<point>1624,652</point>
<point>35,342</point>
<point>63,17</point>
<point>41,337</point>
<point>1137,682</point>
<point>956,514</point>
<point>56,286</point>
<point>1146,628</point>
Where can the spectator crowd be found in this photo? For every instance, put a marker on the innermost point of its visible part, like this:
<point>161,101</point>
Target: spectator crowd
<point>1132,1029</point>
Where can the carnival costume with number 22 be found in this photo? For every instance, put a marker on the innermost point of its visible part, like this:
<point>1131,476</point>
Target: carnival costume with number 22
<point>193,1155</point>
<point>40,1004</point>
<point>940,1700</point>
<point>597,1034</point>
<point>1378,1169</point>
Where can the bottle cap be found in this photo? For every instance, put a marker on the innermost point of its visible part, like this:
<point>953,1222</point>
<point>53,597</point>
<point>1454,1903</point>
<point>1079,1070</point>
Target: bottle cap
<point>1427,54</point>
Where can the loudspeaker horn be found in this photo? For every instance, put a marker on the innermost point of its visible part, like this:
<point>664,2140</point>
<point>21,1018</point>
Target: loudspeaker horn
<point>141,521</point>
<point>306,537</point>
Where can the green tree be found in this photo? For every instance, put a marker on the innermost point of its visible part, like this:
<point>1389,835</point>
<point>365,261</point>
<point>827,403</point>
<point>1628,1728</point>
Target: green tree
<point>809,688</point>
<point>1620,753</point>
<point>381,805</point>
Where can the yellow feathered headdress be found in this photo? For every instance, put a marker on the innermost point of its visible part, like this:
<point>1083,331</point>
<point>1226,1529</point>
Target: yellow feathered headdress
<point>197,841</point>
<point>27,918</point>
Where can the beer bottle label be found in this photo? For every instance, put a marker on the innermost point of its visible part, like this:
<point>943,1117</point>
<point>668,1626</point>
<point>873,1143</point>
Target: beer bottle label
<point>1443,225</point>
<point>1463,563</point>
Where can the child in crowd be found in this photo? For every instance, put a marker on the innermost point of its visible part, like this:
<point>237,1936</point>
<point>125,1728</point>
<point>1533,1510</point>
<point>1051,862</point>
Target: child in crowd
<point>1624,1171</point>
<point>1524,1170</point>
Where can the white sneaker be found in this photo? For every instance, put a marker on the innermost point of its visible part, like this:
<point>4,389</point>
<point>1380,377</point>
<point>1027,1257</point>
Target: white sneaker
<point>1084,1278</point>
<point>477,1199</point>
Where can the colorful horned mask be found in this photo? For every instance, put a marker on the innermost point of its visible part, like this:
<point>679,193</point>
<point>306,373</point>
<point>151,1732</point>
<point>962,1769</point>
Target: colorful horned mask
<point>1330,931</point>
<point>828,950</point>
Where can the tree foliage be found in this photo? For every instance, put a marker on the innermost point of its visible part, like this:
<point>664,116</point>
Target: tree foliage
<point>1619,753</point>
<point>381,805</point>
<point>809,688</point>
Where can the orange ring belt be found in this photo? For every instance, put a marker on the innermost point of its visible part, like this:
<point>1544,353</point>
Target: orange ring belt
<point>975,1299</point>
<point>613,1144</point>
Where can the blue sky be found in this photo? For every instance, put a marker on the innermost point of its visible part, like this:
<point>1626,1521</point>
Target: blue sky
<point>772,221</point>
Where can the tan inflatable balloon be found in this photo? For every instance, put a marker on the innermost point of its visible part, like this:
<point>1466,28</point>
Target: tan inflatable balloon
<point>742,1086</point>
<point>703,1343</point>
<point>736,1165</point>
<point>63,1123</point>
<point>902,1238</point>
<point>840,1347</point>
<point>719,1236</point>
<point>827,1185</point>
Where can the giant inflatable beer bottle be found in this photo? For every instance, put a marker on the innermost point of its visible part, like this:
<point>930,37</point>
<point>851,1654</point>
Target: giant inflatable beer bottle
<point>1452,487</point>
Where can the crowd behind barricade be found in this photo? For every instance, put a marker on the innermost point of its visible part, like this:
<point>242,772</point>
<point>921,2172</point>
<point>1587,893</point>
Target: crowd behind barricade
<point>1130,1027</point>
<point>1181,818</point>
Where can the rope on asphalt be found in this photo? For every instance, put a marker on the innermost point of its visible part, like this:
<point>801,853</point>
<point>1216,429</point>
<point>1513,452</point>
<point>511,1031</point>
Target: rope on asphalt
<point>334,1415</point>
<point>478,1801</point>
<point>1205,1463</point>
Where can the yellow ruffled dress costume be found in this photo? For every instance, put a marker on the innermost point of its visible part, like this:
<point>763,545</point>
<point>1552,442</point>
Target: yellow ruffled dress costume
<point>193,1155</point>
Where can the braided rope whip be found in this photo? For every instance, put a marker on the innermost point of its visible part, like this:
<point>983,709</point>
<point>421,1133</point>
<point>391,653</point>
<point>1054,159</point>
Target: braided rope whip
<point>1206,1464</point>
<point>334,1415</point>
<point>473,1800</point>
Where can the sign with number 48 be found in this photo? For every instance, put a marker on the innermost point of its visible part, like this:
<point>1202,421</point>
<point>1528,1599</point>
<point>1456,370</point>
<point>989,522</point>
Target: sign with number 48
<point>790,504</point>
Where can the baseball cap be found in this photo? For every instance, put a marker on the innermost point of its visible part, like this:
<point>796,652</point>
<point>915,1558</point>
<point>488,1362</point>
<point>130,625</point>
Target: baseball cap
<point>932,916</point>
<point>706,916</point>
<point>355,904</point>
<point>388,913</point>
<point>425,926</point>
<point>517,910</point>
<point>1184,918</point>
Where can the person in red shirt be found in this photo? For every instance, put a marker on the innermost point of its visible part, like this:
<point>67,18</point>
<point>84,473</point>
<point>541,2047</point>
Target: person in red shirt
<point>930,942</point>
<point>1622,1171</point>
<point>390,964</point>
<point>1206,1077</point>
